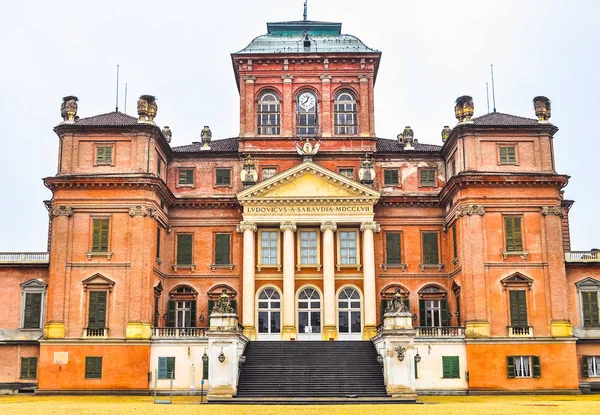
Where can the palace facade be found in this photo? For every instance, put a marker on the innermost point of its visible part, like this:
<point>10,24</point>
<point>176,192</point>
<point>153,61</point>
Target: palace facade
<point>310,223</point>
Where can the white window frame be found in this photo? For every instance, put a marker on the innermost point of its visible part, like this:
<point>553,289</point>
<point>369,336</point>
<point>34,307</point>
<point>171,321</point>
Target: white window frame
<point>339,264</point>
<point>523,370</point>
<point>593,366</point>
<point>260,265</point>
<point>186,311</point>
<point>317,264</point>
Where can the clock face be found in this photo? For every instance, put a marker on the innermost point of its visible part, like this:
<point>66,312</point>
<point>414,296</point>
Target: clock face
<point>306,101</point>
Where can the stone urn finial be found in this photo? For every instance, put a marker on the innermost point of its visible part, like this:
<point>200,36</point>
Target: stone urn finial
<point>147,108</point>
<point>446,133</point>
<point>68,109</point>
<point>464,109</point>
<point>542,108</point>
<point>167,133</point>
<point>206,136</point>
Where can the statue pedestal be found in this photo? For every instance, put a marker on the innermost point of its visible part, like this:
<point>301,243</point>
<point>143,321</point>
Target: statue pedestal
<point>395,343</point>
<point>226,340</point>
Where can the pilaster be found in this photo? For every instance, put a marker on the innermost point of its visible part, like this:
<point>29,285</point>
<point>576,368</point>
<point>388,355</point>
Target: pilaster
<point>326,119</point>
<point>248,281</point>
<point>329,300</point>
<point>250,124</point>
<point>370,302</point>
<point>288,330</point>
<point>287,115</point>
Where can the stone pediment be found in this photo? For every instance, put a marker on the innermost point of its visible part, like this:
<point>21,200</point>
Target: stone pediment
<point>98,281</point>
<point>308,182</point>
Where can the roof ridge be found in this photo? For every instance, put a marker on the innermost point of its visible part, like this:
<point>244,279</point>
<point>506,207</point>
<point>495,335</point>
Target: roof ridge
<point>504,113</point>
<point>108,113</point>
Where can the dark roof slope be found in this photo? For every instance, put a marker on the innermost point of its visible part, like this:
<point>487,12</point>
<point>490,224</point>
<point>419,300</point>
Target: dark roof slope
<point>227,145</point>
<point>108,120</point>
<point>385,145</point>
<point>498,119</point>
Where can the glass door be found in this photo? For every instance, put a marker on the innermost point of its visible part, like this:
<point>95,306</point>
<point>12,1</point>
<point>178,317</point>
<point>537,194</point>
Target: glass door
<point>309,315</point>
<point>269,315</point>
<point>349,315</point>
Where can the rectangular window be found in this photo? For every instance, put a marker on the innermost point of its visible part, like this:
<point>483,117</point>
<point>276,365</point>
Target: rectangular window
<point>591,366</point>
<point>268,247</point>
<point>347,247</point>
<point>453,166</point>
<point>523,366</point>
<point>28,368</point>
<point>390,177</point>
<point>450,367</point>
<point>159,167</point>
<point>97,309</point>
<point>433,313</point>
<point>223,177</point>
<point>158,241</point>
<point>518,308</point>
<point>427,177</point>
<point>349,173</point>
<point>186,177</point>
<point>430,248</point>
<point>184,249</point>
<point>454,242</point>
<point>508,154</point>
<point>32,318</point>
<point>166,368</point>
<point>308,248</point>
<point>100,235</point>
<point>104,154</point>
<point>222,248</point>
<point>589,303</point>
<point>268,172</point>
<point>392,248</point>
<point>93,367</point>
<point>514,238</point>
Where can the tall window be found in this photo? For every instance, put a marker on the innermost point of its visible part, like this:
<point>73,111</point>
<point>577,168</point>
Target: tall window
<point>268,247</point>
<point>222,248</point>
<point>344,109</point>
<point>269,312</point>
<point>306,114</point>
<point>184,249</point>
<point>392,248</point>
<point>97,310</point>
<point>166,368</point>
<point>268,114</point>
<point>347,247</point>
<point>590,311</point>
<point>181,310</point>
<point>28,368</point>
<point>430,248</point>
<point>433,307</point>
<point>518,308</point>
<point>32,311</point>
<point>100,235</point>
<point>308,247</point>
<point>512,233</point>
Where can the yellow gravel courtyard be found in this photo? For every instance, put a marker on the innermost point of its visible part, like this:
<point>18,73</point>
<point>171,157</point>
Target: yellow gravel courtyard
<point>463,405</point>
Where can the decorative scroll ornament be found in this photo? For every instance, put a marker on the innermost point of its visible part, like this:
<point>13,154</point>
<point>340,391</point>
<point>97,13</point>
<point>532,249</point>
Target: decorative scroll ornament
<point>68,109</point>
<point>246,226</point>
<point>61,211</point>
<point>328,226</point>
<point>470,210</point>
<point>552,210</point>
<point>223,305</point>
<point>307,151</point>
<point>249,175</point>
<point>397,304</point>
<point>370,226</point>
<point>288,226</point>
<point>138,211</point>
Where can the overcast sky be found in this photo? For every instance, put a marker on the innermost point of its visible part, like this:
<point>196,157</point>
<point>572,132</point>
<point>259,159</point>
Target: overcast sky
<point>179,51</point>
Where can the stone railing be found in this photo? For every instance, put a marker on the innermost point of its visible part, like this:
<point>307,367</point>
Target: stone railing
<point>95,332</point>
<point>520,331</point>
<point>179,332</point>
<point>582,256</point>
<point>24,257</point>
<point>448,331</point>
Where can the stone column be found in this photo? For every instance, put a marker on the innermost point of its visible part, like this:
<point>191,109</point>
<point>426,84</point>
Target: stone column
<point>248,285</point>
<point>329,326</point>
<point>287,116</point>
<point>367,229</point>
<point>289,327</point>
<point>325,119</point>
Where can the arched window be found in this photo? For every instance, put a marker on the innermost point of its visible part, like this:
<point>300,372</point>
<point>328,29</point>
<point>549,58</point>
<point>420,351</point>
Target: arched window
<point>433,307</point>
<point>269,313</point>
<point>309,314</point>
<point>344,109</point>
<point>349,314</point>
<point>306,114</point>
<point>268,114</point>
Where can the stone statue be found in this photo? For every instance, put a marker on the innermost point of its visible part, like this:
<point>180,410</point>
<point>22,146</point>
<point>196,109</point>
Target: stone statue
<point>223,306</point>
<point>249,175</point>
<point>397,305</point>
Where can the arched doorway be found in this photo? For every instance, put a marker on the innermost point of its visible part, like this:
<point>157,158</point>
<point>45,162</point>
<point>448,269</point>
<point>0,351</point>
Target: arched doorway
<point>269,314</point>
<point>309,314</point>
<point>349,314</point>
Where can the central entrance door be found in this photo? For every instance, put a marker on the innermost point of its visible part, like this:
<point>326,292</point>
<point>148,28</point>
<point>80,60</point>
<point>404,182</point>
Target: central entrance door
<point>269,314</point>
<point>349,315</point>
<point>309,314</point>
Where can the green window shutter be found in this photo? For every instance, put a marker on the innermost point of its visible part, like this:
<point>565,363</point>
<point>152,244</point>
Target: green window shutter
<point>100,154</point>
<point>96,235</point>
<point>33,367</point>
<point>97,309</point>
<point>108,154</point>
<point>158,241</point>
<point>584,367</point>
<point>392,248</point>
<point>184,249</point>
<point>427,177</point>
<point>223,177</point>
<point>193,313</point>
<point>455,367</point>
<point>390,177</point>
<point>205,369</point>
<point>186,176</point>
<point>170,368</point>
<point>33,311</point>
<point>589,301</point>
<point>100,235</point>
<point>384,305</point>
<point>222,248</point>
<point>430,248</point>
<point>24,368</point>
<point>518,308</point>
<point>454,242</point>
<point>444,312</point>
<point>211,304</point>
<point>171,313</point>
<point>535,363</point>
<point>510,366</point>
<point>93,367</point>
<point>514,238</point>
<point>162,368</point>
<point>508,155</point>
<point>422,320</point>
<point>450,367</point>
<point>89,370</point>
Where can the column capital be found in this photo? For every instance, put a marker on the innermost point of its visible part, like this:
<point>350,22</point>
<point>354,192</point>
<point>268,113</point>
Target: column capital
<point>287,77</point>
<point>552,210</point>
<point>249,79</point>
<point>325,78</point>
<point>288,226</point>
<point>470,210</point>
<point>370,226</point>
<point>328,226</point>
<point>363,78</point>
<point>60,211</point>
<point>138,211</point>
<point>246,226</point>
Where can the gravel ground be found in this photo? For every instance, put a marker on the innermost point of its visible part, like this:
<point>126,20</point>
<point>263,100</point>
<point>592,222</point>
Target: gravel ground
<point>458,405</point>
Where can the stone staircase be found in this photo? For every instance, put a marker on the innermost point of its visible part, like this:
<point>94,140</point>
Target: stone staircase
<point>311,370</point>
